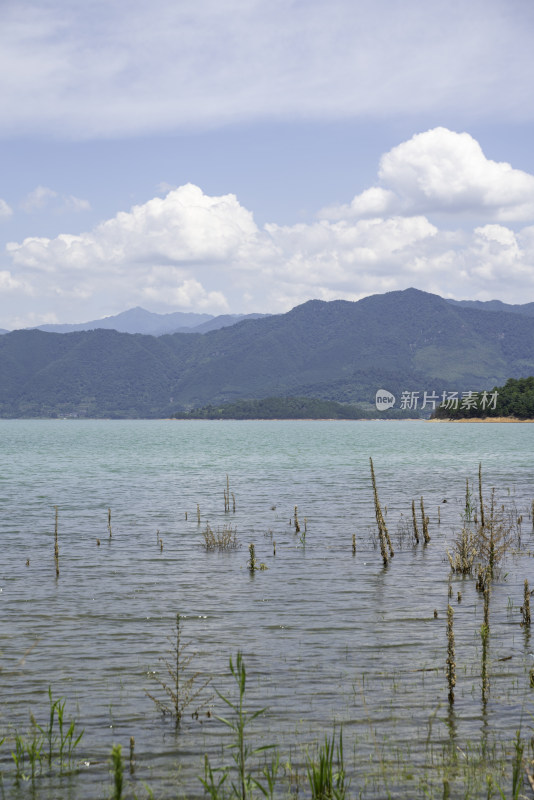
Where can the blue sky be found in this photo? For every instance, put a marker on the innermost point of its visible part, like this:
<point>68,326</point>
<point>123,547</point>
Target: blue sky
<point>245,155</point>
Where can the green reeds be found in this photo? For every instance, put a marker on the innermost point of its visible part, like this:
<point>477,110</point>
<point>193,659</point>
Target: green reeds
<point>326,780</point>
<point>198,514</point>
<point>117,771</point>
<point>242,777</point>
<point>451,664</point>
<point>296,520</point>
<point>109,522</point>
<point>46,744</point>
<point>353,544</point>
<point>383,535</point>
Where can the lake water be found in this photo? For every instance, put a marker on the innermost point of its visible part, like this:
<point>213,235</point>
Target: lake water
<point>327,637</point>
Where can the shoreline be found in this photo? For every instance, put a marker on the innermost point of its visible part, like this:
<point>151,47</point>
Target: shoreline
<point>484,419</point>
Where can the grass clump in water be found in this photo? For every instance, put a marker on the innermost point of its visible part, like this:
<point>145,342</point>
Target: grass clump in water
<point>327,781</point>
<point>225,539</point>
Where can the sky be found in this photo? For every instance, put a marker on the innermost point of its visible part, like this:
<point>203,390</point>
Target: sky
<point>238,156</point>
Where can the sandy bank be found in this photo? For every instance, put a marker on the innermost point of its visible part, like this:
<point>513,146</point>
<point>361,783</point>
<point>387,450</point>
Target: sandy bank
<point>484,419</point>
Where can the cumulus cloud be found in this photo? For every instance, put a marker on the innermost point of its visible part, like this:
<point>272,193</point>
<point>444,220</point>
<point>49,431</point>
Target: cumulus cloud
<point>116,67</point>
<point>441,171</point>
<point>194,251</point>
<point>184,227</point>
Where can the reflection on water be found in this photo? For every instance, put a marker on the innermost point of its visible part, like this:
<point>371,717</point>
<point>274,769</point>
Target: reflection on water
<point>327,636</point>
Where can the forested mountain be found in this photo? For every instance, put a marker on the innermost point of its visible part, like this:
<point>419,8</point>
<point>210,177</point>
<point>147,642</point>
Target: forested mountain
<point>338,350</point>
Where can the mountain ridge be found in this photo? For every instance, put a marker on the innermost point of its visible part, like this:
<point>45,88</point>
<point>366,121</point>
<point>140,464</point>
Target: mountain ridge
<point>338,350</point>
<point>139,320</point>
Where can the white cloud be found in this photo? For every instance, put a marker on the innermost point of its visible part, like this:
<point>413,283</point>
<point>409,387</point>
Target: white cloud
<point>188,295</point>
<point>72,203</point>
<point>38,199</point>
<point>7,281</point>
<point>441,171</point>
<point>42,197</point>
<point>121,68</point>
<point>193,251</point>
<point>5,209</point>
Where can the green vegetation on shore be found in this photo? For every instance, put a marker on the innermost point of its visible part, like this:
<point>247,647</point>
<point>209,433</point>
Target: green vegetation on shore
<point>514,399</point>
<point>289,408</point>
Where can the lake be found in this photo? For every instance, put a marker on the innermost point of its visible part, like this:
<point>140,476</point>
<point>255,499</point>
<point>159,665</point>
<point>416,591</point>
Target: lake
<point>329,637</point>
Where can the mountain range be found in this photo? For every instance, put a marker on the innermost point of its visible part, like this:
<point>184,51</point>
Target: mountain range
<point>139,320</point>
<point>342,351</point>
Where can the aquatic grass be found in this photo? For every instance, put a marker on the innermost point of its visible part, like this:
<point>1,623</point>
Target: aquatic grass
<point>525,608</point>
<point>225,539</point>
<point>383,535</point>
<point>181,689</point>
<point>132,755</point>
<point>243,780</point>
<point>227,496</point>
<point>56,545</point>
<point>325,782</point>
<point>480,496</point>
<point>117,771</point>
<point>252,562</point>
<point>425,521</point>
<point>469,506</point>
<point>484,633</point>
<point>495,538</point>
<point>451,663</point>
<point>464,552</point>
<point>55,747</point>
<point>414,523</point>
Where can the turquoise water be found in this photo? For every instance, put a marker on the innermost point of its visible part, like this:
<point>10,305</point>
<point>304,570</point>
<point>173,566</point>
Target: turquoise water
<point>327,636</point>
